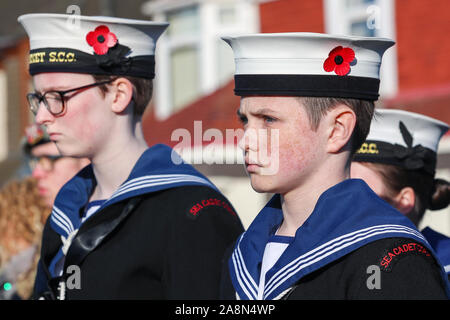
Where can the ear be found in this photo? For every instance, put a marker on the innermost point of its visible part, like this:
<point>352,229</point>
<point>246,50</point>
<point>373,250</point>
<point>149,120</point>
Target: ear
<point>341,122</point>
<point>123,93</point>
<point>405,200</point>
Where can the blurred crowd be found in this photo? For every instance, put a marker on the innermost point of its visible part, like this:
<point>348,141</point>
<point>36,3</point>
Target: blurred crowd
<point>25,205</point>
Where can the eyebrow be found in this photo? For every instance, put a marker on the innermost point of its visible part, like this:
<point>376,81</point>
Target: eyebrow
<point>257,112</point>
<point>263,111</point>
<point>50,89</point>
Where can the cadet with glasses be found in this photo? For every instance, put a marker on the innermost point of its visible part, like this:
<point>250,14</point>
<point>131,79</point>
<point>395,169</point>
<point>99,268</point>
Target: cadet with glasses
<point>125,220</point>
<point>54,100</point>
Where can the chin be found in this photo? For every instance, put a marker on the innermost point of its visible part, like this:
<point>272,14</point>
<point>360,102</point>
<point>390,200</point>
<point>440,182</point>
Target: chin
<point>263,184</point>
<point>63,148</point>
<point>67,150</point>
<point>49,202</point>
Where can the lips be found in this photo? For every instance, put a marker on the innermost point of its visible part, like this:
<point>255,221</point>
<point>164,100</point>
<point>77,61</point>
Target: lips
<point>42,191</point>
<point>53,135</point>
<point>251,166</point>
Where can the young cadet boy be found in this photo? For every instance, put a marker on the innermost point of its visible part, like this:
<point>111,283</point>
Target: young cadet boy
<point>123,227</point>
<point>322,235</point>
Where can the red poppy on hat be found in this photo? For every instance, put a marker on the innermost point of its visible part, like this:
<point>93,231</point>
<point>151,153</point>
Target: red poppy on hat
<point>339,60</point>
<point>101,39</point>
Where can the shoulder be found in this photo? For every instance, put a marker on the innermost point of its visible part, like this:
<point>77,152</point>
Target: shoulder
<point>388,251</point>
<point>394,268</point>
<point>193,203</point>
<point>391,255</point>
<point>435,238</point>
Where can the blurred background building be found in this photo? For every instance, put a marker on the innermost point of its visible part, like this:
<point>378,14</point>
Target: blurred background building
<point>195,68</point>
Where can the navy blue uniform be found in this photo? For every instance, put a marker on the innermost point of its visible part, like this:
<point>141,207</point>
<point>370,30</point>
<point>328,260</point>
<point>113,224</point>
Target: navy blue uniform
<point>354,245</point>
<point>162,235</point>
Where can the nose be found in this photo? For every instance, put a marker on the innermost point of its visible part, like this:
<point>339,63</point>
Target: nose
<point>43,116</point>
<point>242,144</point>
<point>38,173</point>
<point>249,141</point>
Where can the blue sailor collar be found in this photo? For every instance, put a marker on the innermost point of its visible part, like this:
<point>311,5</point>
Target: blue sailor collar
<point>346,217</point>
<point>154,171</point>
<point>441,244</point>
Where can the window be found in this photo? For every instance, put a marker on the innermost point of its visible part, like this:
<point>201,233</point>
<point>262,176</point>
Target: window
<point>191,59</point>
<point>369,18</point>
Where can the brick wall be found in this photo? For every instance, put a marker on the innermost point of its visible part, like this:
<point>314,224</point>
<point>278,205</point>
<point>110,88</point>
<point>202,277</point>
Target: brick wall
<point>423,43</point>
<point>217,110</point>
<point>292,16</point>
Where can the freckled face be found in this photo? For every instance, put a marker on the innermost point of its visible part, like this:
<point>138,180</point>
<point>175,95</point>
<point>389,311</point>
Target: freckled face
<point>279,160</point>
<point>82,129</point>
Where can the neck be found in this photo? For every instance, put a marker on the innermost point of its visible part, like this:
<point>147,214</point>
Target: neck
<point>111,168</point>
<point>298,204</point>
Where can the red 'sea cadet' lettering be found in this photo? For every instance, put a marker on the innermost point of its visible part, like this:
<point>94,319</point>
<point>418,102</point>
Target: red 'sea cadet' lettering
<point>210,202</point>
<point>402,250</point>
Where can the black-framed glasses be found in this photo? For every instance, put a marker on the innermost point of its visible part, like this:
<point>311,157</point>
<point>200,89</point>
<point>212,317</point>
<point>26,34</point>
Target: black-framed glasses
<point>54,100</point>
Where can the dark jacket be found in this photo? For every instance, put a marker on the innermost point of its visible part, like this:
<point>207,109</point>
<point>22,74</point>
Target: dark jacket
<point>160,248</point>
<point>354,245</point>
<point>392,268</point>
<point>161,235</point>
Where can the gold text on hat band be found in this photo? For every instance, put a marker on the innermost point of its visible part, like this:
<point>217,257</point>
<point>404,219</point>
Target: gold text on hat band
<point>368,148</point>
<point>53,56</point>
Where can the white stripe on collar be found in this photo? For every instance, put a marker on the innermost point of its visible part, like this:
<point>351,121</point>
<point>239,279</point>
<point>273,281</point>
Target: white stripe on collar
<point>309,258</point>
<point>150,181</point>
<point>329,248</point>
<point>64,222</point>
<point>242,274</point>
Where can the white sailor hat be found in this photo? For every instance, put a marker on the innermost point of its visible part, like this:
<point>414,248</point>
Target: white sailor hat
<point>308,64</point>
<point>94,45</point>
<point>406,139</point>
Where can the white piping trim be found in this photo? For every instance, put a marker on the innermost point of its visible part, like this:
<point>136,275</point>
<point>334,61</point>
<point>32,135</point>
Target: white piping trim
<point>306,259</point>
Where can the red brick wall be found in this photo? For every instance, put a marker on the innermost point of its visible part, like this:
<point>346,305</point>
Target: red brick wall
<point>423,43</point>
<point>217,110</point>
<point>292,16</point>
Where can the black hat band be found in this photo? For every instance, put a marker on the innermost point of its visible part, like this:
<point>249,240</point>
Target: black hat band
<point>410,158</point>
<point>362,88</point>
<point>72,60</point>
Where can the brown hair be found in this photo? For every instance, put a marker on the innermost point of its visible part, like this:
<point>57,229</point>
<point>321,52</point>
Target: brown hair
<point>317,107</point>
<point>22,216</point>
<point>142,91</point>
<point>433,194</point>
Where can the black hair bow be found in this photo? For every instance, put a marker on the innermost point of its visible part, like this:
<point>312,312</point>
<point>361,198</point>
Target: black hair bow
<point>115,58</point>
<point>413,158</point>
